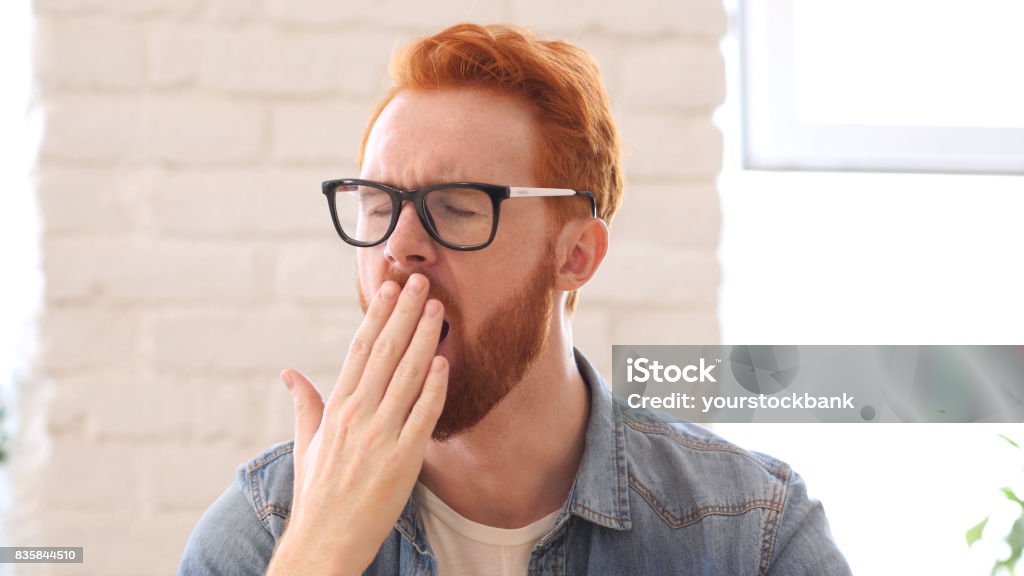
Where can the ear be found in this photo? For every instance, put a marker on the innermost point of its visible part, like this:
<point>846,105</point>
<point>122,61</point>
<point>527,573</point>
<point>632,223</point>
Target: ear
<point>582,247</point>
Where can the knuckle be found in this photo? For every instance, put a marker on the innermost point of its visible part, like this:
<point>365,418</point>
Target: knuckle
<point>346,410</point>
<point>379,311</point>
<point>406,374</point>
<point>384,347</point>
<point>413,306</point>
<point>373,433</point>
<point>392,460</point>
<point>421,414</point>
<point>341,432</point>
<point>360,346</point>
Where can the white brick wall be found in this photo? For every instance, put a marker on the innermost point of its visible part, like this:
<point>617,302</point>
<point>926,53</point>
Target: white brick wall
<point>189,256</point>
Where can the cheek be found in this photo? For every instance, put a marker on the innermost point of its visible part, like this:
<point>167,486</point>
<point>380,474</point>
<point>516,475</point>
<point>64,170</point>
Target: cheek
<point>370,269</point>
<point>494,281</point>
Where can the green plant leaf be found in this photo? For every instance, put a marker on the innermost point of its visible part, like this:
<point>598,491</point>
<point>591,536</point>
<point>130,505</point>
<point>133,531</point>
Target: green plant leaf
<point>1012,496</point>
<point>1016,541</point>
<point>1012,443</point>
<point>974,534</point>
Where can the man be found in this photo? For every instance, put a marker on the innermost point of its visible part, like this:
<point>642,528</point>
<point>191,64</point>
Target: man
<point>465,434</point>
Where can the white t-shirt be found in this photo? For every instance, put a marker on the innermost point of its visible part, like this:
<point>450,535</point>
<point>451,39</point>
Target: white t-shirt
<point>466,548</point>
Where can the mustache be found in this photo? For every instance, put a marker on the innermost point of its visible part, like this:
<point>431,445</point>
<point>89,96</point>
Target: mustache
<point>436,291</point>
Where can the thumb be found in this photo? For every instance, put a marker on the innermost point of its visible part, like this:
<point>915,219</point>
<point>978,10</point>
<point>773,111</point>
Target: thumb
<point>309,408</point>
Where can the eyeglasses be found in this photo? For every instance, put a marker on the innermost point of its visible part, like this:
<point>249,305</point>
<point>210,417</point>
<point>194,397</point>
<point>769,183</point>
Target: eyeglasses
<point>458,215</point>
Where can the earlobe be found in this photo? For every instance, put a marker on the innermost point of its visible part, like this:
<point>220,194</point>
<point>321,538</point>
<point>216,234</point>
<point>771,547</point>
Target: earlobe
<point>585,245</point>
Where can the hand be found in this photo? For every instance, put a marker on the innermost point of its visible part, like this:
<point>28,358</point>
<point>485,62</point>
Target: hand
<point>358,457</point>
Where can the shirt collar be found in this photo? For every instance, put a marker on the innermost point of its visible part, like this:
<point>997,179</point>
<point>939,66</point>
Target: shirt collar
<point>600,493</point>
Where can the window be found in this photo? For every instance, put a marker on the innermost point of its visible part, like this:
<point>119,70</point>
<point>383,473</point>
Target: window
<point>910,85</point>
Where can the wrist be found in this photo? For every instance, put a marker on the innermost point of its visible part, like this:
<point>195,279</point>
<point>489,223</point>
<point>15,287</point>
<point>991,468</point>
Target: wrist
<point>295,554</point>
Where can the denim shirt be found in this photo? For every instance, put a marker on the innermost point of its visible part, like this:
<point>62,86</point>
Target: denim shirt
<point>650,496</point>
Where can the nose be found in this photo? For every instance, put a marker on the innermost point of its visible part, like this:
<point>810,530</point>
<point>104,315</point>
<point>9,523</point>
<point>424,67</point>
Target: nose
<point>410,245</point>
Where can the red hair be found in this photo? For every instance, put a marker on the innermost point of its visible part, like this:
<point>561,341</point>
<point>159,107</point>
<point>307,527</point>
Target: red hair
<point>561,83</point>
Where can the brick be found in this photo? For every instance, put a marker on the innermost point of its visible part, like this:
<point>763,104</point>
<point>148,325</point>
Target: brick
<point>238,204</point>
<point>695,18</point>
<point>435,16</point>
<point>116,543</point>
<point>119,7</point>
<point>431,17</point>
<point>298,206</point>
<point>218,203</point>
<point>70,267</point>
<point>280,423</point>
<point>676,215</point>
<point>134,408</point>
<point>637,273</point>
<point>317,272</point>
<point>607,51</point>
<point>234,11</point>
<point>670,146</point>
<point>666,327</point>
<point>127,270</point>
<point>80,476</point>
<point>159,540</point>
<point>673,75</point>
<point>319,132</point>
<point>88,53</point>
<point>202,130</point>
<point>552,18</point>
<point>209,469</point>
<point>174,53</point>
<point>67,412</point>
<point>103,533</point>
<point>229,410</point>
<point>264,61</point>
<point>66,6</point>
<point>76,338</point>
<point>313,12</point>
<point>367,55</point>
<point>703,18</point>
<point>81,200</point>
<point>246,342</point>
<point>93,128</point>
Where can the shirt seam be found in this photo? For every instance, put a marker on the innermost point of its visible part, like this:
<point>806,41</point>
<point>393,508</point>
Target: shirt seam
<point>776,471</point>
<point>702,512</point>
<point>254,485</point>
<point>771,528</point>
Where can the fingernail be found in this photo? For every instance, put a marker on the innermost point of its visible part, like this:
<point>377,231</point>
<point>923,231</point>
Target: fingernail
<point>440,363</point>
<point>416,284</point>
<point>433,308</point>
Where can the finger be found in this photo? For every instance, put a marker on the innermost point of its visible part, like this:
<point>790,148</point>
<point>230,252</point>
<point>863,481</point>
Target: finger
<point>391,344</point>
<point>377,315</point>
<point>427,409</point>
<point>408,379</point>
<point>309,410</point>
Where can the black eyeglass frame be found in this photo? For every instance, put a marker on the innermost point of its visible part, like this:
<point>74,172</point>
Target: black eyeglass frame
<point>498,194</point>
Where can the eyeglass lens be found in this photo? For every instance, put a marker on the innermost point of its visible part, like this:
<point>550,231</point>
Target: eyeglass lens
<point>461,216</point>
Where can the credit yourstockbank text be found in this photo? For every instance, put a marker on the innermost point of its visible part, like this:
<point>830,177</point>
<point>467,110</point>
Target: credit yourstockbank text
<point>644,370</point>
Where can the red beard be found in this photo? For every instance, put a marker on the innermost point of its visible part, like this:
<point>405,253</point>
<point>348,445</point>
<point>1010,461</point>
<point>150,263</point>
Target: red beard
<point>484,367</point>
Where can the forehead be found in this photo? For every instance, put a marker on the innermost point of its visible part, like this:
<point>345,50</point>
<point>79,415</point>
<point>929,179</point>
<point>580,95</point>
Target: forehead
<point>428,136</point>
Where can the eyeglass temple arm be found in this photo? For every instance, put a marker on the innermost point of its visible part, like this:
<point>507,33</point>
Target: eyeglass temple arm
<point>528,192</point>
